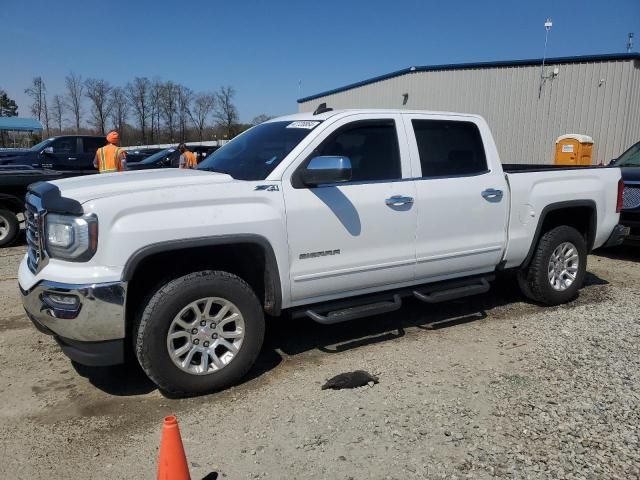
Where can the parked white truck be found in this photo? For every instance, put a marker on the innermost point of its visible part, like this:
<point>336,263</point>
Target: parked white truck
<point>334,215</point>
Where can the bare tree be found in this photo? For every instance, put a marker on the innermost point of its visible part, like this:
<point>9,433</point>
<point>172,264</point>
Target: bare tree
<point>185,96</point>
<point>98,92</point>
<point>138,95</point>
<point>45,114</point>
<point>75,89</point>
<point>57,111</point>
<point>155,94</point>
<point>169,107</point>
<point>203,105</point>
<point>225,111</point>
<point>37,92</point>
<point>260,119</point>
<point>119,109</point>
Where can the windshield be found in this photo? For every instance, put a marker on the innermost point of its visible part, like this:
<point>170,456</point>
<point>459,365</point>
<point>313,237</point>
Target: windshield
<point>258,151</point>
<point>630,158</point>
<point>158,156</point>
<point>39,146</point>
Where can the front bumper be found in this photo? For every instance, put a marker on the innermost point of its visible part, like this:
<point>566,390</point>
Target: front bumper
<point>90,326</point>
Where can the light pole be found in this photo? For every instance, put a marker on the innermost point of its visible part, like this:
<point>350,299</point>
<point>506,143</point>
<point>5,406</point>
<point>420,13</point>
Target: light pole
<point>547,26</point>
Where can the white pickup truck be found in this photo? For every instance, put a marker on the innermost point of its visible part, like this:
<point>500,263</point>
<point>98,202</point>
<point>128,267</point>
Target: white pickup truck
<point>333,215</point>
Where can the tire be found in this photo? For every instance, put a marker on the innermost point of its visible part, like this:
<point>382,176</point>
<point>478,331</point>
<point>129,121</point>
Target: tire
<point>535,282</point>
<point>9,227</point>
<point>174,302</point>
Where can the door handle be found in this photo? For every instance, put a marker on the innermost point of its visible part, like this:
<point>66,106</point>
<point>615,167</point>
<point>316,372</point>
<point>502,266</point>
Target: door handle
<point>398,200</point>
<point>492,195</point>
<point>71,158</point>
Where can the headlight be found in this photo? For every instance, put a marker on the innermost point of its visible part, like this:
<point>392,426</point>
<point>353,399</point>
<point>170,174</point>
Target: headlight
<point>71,238</point>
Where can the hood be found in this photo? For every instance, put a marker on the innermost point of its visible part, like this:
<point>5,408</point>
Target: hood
<point>630,174</point>
<point>92,187</point>
<point>13,154</point>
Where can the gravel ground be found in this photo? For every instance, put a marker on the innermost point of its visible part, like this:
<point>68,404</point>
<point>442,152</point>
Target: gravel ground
<point>488,387</point>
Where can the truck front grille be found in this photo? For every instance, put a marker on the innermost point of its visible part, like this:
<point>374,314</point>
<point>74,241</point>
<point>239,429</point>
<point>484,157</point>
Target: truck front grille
<point>34,223</point>
<point>631,197</point>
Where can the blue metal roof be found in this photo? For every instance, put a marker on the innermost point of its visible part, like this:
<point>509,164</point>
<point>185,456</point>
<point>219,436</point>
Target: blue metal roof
<point>462,66</point>
<point>20,124</point>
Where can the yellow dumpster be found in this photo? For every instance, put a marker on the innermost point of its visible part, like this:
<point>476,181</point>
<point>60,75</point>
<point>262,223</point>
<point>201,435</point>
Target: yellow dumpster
<point>574,149</point>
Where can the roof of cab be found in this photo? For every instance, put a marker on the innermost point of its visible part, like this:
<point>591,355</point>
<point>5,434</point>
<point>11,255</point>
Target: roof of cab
<point>309,116</point>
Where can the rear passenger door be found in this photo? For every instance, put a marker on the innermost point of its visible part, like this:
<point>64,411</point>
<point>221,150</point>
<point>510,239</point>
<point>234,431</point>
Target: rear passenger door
<point>353,236</point>
<point>462,203</point>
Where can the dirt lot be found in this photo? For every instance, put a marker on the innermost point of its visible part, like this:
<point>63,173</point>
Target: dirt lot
<point>482,388</point>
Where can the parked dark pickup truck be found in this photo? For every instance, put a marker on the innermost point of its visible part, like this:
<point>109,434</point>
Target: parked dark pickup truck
<point>629,163</point>
<point>65,153</point>
<point>14,181</point>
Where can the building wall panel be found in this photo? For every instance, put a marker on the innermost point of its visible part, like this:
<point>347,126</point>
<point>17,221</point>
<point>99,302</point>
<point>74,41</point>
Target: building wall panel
<point>600,99</point>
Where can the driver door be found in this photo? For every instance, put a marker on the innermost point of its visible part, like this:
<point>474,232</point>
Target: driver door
<point>64,156</point>
<point>351,237</point>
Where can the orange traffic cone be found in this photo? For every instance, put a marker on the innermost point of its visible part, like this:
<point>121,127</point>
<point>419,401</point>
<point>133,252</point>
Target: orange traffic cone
<point>172,464</point>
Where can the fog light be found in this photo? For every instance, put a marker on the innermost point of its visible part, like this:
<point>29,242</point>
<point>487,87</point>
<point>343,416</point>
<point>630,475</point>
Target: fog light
<point>59,300</point>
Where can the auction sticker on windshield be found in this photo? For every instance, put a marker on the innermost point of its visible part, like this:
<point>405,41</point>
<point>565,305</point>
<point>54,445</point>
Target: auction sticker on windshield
<point>303,124</point>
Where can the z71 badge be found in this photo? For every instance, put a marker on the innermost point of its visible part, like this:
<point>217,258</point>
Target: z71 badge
<point>267,188</point>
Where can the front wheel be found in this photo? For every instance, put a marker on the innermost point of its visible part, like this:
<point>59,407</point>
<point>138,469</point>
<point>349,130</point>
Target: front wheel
<point>199,333</point>
<point>558,267</point>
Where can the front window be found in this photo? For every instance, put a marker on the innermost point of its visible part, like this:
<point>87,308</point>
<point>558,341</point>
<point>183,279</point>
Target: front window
<point>64,145</point>
<point>258,151</point>
<point>630,158</point>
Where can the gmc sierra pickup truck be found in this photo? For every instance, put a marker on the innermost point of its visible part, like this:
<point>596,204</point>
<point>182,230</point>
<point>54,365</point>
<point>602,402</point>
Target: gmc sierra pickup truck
<point>334,216</point>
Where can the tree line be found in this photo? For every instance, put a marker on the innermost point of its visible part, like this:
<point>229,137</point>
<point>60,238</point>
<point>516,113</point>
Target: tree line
<point>144,111</point>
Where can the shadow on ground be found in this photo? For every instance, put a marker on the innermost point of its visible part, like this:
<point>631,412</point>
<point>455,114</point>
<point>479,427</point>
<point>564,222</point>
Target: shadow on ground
<point>624,252</point>
<point>291,337</point>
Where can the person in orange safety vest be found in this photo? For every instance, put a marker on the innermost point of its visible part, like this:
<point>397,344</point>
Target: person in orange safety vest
<point>187,157</point>
<point>111,158</point>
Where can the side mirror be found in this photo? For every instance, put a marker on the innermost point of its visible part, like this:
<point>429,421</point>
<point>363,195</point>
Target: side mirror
<point>48,151</point>
<point>330,169</point>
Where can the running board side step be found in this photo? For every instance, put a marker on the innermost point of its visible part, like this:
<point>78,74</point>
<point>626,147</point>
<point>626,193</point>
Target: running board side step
<point>479,286</point>
<point>359,311</point>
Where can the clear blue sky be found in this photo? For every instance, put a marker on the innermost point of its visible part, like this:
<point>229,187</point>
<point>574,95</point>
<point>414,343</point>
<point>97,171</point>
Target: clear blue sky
<point>262,48</point>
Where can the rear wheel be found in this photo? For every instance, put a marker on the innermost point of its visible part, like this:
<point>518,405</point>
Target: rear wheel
<point>558,267</point>
<point>200,332</point>
<point>9,227</point>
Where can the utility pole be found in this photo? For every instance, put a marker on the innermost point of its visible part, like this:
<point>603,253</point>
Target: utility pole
<point>547,26</point>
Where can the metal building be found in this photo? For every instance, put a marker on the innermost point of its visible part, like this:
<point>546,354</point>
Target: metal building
<point>596,95</point>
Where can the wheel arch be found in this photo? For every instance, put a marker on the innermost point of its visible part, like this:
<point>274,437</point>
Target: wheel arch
<point>580,214</point>
<point>241,247</point>
<point>12,203</point>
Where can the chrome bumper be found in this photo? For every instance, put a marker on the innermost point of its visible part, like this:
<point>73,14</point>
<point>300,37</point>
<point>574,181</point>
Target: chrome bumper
<point>89,313</point>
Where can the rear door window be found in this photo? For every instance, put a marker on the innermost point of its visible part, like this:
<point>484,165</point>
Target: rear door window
<point>91,145</point>
<point>449,148</point>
